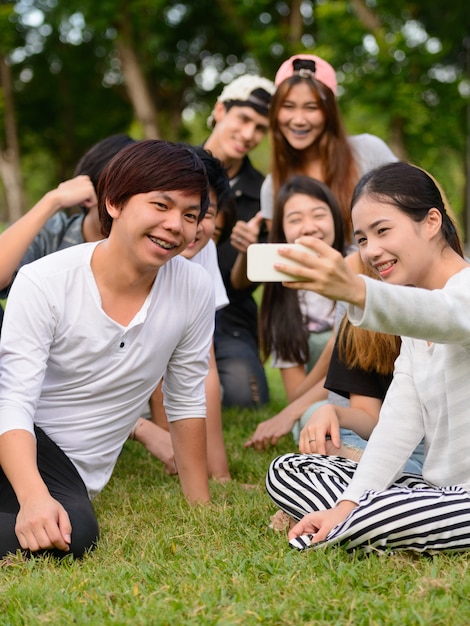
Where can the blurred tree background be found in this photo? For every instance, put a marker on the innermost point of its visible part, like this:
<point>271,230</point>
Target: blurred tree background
<point>75,71</point>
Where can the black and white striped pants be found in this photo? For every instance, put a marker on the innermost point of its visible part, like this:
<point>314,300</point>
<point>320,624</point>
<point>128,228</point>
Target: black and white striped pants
<point>410,515</point>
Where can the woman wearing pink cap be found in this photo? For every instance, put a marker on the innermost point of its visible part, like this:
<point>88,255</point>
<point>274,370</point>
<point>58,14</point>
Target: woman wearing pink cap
<point>308,136</point>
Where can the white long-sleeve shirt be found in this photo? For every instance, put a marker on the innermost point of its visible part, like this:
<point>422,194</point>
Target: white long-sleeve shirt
<point>81,376</point>
<point>430,393</point>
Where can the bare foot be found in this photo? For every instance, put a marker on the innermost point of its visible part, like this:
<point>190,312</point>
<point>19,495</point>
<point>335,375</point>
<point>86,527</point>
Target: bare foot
<point>281,521</point>
<point>221,479</point>
<point>217,466</point>
<point>347,452</point>
<point>157,441</point>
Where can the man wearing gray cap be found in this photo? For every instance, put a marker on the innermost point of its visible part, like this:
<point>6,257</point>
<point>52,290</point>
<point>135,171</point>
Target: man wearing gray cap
<point>239,122</point>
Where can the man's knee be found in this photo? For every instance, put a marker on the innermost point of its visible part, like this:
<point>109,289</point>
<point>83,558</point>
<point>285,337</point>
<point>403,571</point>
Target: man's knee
<point>85,529</point>
<point>85,533</point>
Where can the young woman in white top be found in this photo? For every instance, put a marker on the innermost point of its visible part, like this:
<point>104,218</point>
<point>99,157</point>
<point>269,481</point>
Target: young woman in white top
<point>406,236</point>
<point>294,327</point>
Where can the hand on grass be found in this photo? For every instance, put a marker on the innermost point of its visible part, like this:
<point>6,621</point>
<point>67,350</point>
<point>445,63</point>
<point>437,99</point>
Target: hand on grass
<point>320,523</point>
<point>270,431</point>
<point>43,523</point>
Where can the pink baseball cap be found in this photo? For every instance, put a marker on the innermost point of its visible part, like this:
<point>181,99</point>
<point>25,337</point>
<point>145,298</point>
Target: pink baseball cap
<point>321,70</point>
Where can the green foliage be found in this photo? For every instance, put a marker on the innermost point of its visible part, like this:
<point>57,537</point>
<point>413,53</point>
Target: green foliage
<point>160,562</point>
<point>10,38</point>
<point>69,91</point>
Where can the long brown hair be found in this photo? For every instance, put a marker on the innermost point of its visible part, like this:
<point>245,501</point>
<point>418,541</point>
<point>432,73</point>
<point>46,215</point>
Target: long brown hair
<point>367,349</point>
<point>339,170</point>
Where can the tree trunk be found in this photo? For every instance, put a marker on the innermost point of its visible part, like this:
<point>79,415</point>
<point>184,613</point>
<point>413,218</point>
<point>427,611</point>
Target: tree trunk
<point>366,15</point>
<point>296,25</point>
<point>397,140</point>
<point>137,90</point>
<point>10,171</point>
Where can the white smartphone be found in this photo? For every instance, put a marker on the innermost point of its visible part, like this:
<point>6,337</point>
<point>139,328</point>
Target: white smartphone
<point>261,258</point>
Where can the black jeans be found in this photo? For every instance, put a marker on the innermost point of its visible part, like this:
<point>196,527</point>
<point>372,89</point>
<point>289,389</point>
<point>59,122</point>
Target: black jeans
<point>66,486</point>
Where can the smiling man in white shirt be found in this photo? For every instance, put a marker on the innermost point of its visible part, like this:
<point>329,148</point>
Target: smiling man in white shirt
<point>88,333</point>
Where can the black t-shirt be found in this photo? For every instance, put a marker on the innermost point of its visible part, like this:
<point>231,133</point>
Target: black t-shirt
<point>344,380</point>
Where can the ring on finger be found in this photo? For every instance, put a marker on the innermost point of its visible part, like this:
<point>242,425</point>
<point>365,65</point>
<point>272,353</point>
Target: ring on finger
<point>310,440</point>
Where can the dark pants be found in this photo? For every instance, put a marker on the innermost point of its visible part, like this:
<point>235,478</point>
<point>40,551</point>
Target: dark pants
<point>241,372</point>
<point>66,486</point>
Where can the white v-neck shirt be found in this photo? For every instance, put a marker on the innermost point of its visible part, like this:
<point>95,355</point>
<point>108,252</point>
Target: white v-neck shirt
<point>83,378</point>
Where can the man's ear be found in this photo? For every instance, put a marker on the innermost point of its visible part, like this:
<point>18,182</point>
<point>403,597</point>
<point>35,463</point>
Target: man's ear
<point>219,112</point>
<point>113,211</point>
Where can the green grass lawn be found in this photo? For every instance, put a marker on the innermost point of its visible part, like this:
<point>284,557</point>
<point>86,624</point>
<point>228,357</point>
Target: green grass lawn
<point>161,562</point>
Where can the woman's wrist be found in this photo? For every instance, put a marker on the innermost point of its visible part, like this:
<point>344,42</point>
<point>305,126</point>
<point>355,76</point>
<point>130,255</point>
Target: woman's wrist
<point>357,292</point>
<point>346,506</point>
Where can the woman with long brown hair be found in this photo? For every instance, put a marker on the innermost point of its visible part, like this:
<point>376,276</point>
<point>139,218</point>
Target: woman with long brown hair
<point>293,326</point>
<point>308,135</point>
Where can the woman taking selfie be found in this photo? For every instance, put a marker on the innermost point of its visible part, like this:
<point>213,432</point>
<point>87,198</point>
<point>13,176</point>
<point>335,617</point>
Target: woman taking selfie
<point>406,236</point>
